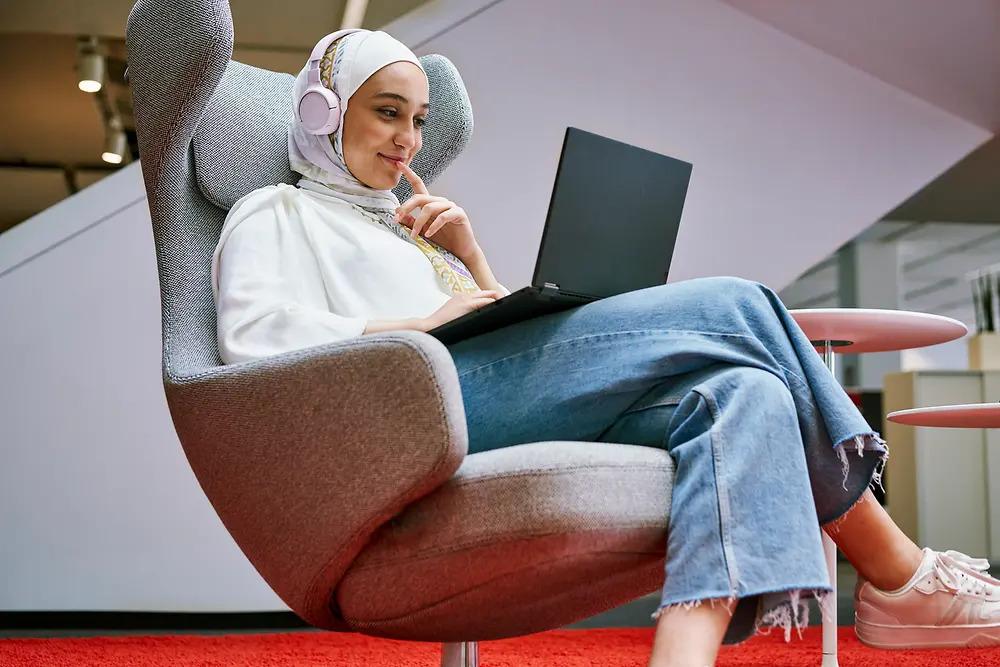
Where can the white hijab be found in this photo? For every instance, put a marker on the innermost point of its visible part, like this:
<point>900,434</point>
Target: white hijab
<point>358,56</point>
<point>321,162</point>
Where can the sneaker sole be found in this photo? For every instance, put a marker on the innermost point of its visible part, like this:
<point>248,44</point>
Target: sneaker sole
<point>920,636</point>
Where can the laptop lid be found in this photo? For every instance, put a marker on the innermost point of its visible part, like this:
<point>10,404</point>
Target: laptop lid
<point>613,217</point>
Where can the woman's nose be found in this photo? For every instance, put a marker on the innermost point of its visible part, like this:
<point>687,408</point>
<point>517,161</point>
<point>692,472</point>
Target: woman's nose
<point>407,138</point>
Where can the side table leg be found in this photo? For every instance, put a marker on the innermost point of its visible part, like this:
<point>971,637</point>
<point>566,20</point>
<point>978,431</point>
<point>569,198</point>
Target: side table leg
<point>830,551</point>
<point>830,616</point>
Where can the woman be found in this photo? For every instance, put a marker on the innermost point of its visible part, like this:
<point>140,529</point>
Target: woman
<point>767,445</point>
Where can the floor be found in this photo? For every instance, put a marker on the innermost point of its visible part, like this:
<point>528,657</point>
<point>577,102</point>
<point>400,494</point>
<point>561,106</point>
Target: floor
<point>637,612</point>
<point>634,614</point>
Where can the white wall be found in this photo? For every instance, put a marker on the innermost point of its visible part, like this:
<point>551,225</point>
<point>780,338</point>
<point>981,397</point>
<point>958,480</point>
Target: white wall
<point>98,507</point>
<point>947,356</point>
<point>794,153</point>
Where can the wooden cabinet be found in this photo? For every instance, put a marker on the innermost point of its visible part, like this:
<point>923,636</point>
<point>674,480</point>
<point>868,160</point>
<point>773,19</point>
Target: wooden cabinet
<point>943,484</point>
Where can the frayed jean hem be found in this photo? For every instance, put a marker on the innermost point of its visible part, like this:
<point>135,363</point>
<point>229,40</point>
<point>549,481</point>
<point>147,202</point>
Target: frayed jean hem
<point>846,448</point>
<point>784,608</point>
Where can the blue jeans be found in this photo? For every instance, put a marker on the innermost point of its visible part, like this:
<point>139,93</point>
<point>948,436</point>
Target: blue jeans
<point>715,371</point>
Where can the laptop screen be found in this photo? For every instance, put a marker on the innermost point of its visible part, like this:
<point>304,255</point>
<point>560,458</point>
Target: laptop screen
<point>613,217</point>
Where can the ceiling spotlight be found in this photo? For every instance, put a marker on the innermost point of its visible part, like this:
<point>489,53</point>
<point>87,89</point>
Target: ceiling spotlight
<point>91,68</point>
<point>114,144</point>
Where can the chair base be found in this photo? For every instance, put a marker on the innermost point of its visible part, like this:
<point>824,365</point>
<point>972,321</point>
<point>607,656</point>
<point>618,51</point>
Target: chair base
<point>461,654</point>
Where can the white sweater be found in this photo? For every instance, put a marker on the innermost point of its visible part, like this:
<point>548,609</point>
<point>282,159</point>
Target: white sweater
<point>296,268</point>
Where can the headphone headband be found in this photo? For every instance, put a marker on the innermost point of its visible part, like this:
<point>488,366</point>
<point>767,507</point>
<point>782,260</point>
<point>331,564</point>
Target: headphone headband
<point>322,45</point>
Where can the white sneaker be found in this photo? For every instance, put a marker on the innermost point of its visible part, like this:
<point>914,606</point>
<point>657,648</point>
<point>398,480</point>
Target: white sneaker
<point>951,601</point>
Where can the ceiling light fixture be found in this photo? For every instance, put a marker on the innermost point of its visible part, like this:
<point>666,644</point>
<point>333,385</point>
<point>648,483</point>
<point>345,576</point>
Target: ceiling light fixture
<point>90,66</point>
<point>115,143</point>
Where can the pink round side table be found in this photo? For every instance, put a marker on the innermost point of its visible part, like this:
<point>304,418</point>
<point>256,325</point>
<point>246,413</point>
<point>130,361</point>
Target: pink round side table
<point>858,330</point>
<point>972,415</point>
<point>855,331</point>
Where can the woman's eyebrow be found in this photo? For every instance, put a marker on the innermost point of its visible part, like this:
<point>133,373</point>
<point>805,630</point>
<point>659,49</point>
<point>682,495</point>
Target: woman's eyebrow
<point>397,96</point>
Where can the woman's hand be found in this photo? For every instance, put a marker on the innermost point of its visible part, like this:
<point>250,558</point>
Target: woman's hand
<point>439,218</point>
<point>459,305</point>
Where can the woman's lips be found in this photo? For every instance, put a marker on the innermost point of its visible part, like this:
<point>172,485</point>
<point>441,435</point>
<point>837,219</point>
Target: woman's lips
<point>389,159</point>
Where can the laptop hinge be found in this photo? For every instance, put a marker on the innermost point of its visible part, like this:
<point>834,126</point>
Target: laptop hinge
<point>549,288</point>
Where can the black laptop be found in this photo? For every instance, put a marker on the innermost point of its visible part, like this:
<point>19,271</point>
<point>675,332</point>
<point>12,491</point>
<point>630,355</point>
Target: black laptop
<point>611,227</point>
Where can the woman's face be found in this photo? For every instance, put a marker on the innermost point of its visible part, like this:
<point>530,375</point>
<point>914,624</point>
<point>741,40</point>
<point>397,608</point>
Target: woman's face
<point>384,118</point>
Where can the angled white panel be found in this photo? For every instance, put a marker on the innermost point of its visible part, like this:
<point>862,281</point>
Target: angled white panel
<point>99,509</point>
<point>794,151</point>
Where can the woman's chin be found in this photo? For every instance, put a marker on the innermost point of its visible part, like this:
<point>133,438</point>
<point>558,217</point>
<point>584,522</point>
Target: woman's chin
<point>381,182</point>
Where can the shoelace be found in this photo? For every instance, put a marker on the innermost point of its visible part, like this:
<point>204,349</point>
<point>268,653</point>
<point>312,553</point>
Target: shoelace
<point>964,584</point>
<point>980,564</point>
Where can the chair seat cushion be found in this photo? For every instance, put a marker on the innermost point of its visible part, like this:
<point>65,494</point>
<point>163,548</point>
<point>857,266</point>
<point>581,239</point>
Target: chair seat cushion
<point>520,540</point>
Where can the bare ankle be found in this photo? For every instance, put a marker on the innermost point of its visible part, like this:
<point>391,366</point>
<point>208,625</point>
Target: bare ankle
<point>895,571</point>
<point>874,544</point>
<point>691,636</point>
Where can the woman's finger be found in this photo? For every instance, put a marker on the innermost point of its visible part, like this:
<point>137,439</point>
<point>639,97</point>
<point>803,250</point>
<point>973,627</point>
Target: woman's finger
<point>453,214</point>
<point>415,201</point>
<point>415,182</point>
<point>479,303</point>
<point>439,222</point>
<point>427,215</point>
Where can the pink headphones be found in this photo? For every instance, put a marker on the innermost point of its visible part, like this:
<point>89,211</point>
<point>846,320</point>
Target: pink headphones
<point>318,108</point>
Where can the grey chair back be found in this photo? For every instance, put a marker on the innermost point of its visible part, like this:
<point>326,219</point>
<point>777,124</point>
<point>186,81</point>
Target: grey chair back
<point>211,130</point>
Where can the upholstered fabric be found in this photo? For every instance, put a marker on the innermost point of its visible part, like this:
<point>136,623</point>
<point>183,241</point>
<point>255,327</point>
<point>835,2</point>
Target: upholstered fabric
<point>306,455</point>
<point>517,538</point>
<point>239,145</point>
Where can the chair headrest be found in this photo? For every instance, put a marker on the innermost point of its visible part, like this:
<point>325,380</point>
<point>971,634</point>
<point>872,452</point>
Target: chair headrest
<point>241,142</point>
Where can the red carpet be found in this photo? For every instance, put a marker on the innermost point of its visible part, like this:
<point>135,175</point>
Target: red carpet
<point>562,648</point>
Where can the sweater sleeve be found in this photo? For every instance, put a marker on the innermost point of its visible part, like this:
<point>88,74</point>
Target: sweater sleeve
<point>261,305</point>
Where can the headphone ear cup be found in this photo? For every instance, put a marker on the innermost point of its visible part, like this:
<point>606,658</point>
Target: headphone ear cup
<point>319,110</point>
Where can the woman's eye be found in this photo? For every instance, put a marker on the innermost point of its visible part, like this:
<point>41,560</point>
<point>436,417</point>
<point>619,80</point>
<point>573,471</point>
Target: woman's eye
<point>391,113</point>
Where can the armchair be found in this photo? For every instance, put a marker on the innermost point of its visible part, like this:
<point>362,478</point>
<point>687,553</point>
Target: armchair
<point>341,470</point>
